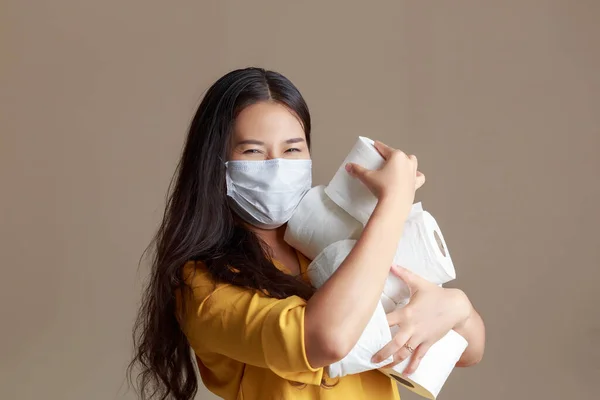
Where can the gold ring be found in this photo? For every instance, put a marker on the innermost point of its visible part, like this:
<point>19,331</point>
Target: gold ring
<point>410,349</point>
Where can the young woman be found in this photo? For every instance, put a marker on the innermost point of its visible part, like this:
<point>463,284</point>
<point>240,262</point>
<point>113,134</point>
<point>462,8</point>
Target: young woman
<point>226,284</point>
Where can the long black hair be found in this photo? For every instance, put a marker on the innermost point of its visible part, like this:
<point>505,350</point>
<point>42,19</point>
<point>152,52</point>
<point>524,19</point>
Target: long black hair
<point>198,225</point>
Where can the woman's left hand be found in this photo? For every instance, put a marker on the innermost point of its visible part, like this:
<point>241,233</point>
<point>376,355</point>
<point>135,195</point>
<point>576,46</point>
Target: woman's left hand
<point>431,313</point>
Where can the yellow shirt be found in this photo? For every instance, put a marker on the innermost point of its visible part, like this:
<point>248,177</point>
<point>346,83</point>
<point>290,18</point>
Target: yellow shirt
<point>250,346</point>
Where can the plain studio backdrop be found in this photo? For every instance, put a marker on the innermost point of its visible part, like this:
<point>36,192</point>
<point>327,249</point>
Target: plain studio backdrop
<point>499,100</point>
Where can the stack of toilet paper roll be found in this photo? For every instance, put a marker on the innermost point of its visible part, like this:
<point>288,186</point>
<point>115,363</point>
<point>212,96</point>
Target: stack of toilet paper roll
<point>325,227</point>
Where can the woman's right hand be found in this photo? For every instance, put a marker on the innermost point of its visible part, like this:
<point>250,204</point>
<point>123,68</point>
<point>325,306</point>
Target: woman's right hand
<point>398,178</point>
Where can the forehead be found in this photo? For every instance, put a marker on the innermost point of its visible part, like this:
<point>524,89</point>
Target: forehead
<point>267,121</point>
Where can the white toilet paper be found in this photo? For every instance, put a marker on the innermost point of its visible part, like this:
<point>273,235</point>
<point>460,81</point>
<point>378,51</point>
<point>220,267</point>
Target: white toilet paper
<point>348,192</point>
<point>319,222</point>
<point>375,335</point>
<point>388,304</point>
<point>415,209</point>
<point>396,290</point>
<point>422,249</point>
<point>434,368</point>
<point>328,261</point>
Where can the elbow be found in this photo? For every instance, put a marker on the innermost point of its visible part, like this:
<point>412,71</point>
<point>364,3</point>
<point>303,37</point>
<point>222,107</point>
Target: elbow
<point>474,331</point>
<point>325,348</point>
<point>336,346</point>
<point>324,344</point>
<point>471,358</point>
<point>477,359</point>
<point>469,362</point>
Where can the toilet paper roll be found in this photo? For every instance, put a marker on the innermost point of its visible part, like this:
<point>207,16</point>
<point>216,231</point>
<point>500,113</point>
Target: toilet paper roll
<point>388,304</point>
<point>318,222</point>
<point>415,209</point>
<point>328,261</point>
<point>350,193</point>
<point>377,332</point>
<point>423,250</point>
<point>434,368</point>
<point>396,290</point>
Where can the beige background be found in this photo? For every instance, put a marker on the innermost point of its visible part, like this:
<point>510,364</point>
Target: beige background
<point>500,101</point>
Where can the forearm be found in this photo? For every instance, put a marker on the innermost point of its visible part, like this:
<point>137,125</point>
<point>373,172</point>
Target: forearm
<point>339,311</point>
<point>473,330</point>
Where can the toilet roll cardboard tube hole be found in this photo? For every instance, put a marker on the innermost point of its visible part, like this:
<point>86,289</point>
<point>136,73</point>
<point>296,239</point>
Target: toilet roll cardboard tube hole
<point>440,244</point>
<point>403,381</point>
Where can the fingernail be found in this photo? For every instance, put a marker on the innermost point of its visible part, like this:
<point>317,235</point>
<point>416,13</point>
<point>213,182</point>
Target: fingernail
<point>348,167</point>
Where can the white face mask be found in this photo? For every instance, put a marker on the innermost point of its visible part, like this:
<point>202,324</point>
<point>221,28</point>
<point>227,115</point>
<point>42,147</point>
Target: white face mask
<point>266,193</point>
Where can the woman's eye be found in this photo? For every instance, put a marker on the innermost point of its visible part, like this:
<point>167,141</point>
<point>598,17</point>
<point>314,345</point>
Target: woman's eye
<point>292,150</point>
<point>252,151</point>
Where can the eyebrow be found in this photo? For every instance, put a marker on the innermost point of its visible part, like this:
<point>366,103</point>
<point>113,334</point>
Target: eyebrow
<point>259,143</point>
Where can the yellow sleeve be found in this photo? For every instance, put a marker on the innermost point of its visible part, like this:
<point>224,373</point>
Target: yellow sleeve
<point>250,327</point>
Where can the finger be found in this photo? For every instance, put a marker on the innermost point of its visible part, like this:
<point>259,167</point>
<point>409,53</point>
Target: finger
<point>414,160</point>
<point>397,360</point>
<point>416,359</point>
<point>420,180</point>
<point>385,150</point>
<point>357,171</point>
<point>392,347</point>
<point>409,277</point>
<point>399,316</point>
<point>403,354</point>
<point>394,318</point>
